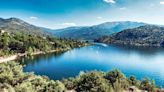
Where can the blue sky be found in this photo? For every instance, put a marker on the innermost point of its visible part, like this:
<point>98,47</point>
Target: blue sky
<point>63,13</point>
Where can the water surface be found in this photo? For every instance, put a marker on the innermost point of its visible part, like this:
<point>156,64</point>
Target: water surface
<point>138,61</point>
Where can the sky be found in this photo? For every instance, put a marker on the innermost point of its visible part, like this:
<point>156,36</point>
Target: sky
<point>56,14</point>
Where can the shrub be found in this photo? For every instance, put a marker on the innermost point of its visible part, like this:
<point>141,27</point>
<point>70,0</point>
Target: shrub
<point>92,82</point>
<point>148,85</point>
<point>13,79</point>
<point>133,81</point>
<point>116,76</point>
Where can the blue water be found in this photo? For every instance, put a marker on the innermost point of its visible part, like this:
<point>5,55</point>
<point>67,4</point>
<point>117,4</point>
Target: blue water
<point>139,61</point>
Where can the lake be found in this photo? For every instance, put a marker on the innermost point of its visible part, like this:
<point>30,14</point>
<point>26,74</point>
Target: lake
<point>139,61</point>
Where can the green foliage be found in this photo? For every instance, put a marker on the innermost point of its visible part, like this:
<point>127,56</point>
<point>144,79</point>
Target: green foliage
<point>148,85</point>
<point>12,43</point>
<point>5,39</point>
<point>30,51</point>
<point>70,83</point>
<point>133,81</point>
<point>116,76</point>
<point>13,79</point>
<point>92,82</point>
<point>93,32</point>
<point>147,35</point>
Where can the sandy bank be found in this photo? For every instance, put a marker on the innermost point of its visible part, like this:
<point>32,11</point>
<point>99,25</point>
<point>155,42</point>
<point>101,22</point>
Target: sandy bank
<point>9,58</point>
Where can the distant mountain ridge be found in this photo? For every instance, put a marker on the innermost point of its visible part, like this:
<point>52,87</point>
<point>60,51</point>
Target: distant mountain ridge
<point>96,31</point>
<point>17,25</point>
<point>148,35</point>
<point>78,33</point>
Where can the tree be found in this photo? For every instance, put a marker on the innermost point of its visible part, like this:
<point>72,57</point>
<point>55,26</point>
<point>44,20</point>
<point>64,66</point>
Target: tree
<point>70,83</point>
<point>133,81</point>
<point>13,79</point>
<point>116,76</point>
<point>29,51</point>
<point>5,39</point>
<point>92,82</point>
<point>146,84</point>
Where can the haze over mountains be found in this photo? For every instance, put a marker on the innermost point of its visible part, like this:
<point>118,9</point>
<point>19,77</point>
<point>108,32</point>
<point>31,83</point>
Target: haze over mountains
<point>96,31</point>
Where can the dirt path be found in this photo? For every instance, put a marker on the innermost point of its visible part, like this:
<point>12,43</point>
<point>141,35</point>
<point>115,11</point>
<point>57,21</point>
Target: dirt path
<point>10,58</point>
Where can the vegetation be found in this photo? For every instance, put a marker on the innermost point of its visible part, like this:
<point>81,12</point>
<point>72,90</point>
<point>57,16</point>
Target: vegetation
<point>14,25</point>
<point>12,43</point>
<point>96,31</point>
<point>148,35</point>
<point>13,79</point>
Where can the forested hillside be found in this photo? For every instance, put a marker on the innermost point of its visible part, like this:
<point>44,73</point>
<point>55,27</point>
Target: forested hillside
<point>14,43</point>
<point>96,31</point>
<point>148,35</point>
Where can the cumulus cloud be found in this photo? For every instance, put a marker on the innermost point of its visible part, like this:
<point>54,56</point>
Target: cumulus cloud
<point>33,18</point>
<point>110,1</point>
<point>162,2</point>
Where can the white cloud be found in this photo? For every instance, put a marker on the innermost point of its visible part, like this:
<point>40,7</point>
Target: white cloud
<point>68,24</point>
<point>33,18</point>
<point>110,1</point>
<point>99,17</point>
<point>162,2</point>
<point>123,8</point>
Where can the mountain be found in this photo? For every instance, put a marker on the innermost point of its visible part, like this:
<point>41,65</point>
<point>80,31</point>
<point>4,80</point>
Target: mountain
<point>148,35</point>
<point>17,25</point>
<point>96,31</point>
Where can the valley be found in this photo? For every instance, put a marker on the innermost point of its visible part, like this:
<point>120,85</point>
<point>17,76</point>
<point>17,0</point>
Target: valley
<point>62,58</point>
<point>81,46</point>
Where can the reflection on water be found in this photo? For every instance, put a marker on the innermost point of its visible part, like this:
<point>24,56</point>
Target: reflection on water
<point>38,58</point>
<point>141,62</point>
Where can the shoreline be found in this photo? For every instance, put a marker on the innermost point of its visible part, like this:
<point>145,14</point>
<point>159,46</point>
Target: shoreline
<point>19,55</point>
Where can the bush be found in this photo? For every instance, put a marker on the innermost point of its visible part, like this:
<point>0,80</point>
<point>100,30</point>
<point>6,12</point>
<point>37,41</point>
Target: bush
<point>70,83</point>
<point>116,77</point>
<point>133,81</point>
<point>13,79</point>
<point>148,85</point>
<point>92,82</point>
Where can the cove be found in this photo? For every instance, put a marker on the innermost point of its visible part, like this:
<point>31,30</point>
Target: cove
<point>138,61</point>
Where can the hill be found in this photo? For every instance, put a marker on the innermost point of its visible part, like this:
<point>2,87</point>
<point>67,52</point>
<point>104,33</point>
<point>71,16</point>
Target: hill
<point>14,25</point>
<point>96,31</point>
<point>148,35</point>
<point>20,44</point>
